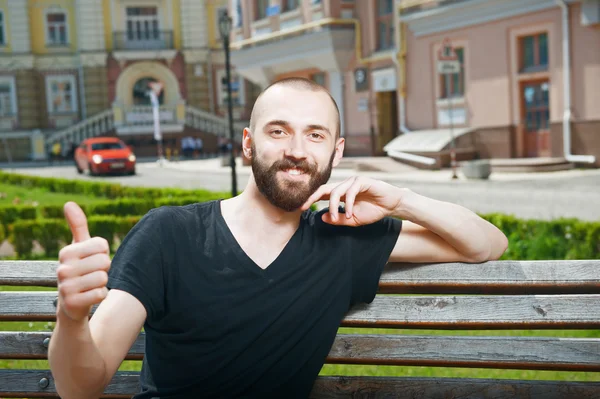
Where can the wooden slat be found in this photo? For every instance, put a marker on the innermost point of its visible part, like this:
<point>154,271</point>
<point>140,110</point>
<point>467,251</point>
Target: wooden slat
<point>445,312</point>
<point>28,273</point>
<point>531,353</point>
<point>498,277</point>
<point>24,383</point>
<point>428,388</point>
<point>30,345</point>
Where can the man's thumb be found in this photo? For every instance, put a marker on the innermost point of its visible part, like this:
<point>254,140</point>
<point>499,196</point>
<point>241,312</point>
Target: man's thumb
<point>77,222</point>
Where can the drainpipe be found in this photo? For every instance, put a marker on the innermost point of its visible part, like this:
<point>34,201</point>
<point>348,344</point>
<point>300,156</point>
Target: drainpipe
<point>567,90</point>
<point>400,52</point>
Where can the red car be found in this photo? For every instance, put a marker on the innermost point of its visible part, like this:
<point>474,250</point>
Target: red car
<point>103,155</point>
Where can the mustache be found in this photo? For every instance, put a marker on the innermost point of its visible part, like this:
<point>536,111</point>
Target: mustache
<point>300,164</point>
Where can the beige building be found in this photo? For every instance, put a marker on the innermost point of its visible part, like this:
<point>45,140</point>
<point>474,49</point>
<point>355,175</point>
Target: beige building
<point>512,97</point>
<point>347,46</point>
<point>71,69</point>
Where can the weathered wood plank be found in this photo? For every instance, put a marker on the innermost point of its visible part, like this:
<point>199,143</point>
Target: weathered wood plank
<point>497,277</point>
<point>445,312</point>
<point>24,383</point>
<point>507,277</point>
<point>529,353</point>
<point>28,273</point>
<point>33,345</point>
<point>428,388</point>
<point>539,353</point>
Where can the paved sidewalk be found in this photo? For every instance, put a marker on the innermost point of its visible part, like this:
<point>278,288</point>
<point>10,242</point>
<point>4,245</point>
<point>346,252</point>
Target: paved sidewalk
<point>401,172</point>
<point>550,195</point>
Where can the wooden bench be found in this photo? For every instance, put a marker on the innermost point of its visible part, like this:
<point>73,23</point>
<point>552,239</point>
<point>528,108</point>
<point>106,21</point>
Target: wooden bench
<point>491,296</point>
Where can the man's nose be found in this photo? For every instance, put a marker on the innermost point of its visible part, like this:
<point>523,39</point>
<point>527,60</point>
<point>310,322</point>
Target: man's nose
<point>295,148</point>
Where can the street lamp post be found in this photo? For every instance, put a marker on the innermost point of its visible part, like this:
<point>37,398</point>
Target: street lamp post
<point>225,30</point>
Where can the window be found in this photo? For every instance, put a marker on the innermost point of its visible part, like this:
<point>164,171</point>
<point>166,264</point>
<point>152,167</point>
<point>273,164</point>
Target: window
<point>534,53</point>
<point>318,78</point>
<point>2,30</point>
<point>61,95</point>
<point>109,145</point>
<point>260,9</point>
<point>8,96</point>
<point>289,5</point>
<point>142,24</point>
<point>385,24</point>
<point>237,15</point>
<point>457,80</point>
<point>56,28</point>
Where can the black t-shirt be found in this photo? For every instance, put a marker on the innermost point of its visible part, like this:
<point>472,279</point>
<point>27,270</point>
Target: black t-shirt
<point>218,325</point>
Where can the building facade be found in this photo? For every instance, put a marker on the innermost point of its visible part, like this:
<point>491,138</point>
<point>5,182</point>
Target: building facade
<point>347,46</point>
<point>529,77</point>
<point>379,59</point>
<point>64,62</point>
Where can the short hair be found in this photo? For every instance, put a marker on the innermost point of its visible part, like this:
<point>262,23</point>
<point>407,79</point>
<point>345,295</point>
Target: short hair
<point>297,83</point>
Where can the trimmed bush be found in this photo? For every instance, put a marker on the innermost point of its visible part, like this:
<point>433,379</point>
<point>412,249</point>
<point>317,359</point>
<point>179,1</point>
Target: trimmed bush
<point>528,239</point>
<point>556,239</point>
<point>11,213</point>
<point>99,189</point>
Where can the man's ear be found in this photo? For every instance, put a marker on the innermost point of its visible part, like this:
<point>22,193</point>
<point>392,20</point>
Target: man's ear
<point>339,151</point>
<point>247,143</point>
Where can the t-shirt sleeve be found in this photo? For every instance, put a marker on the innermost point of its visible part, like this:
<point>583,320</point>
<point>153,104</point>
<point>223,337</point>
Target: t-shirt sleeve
<point>370,249</point>
<point>137,266</point>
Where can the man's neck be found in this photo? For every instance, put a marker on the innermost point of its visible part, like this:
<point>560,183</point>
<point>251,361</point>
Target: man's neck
<point>252,209</point>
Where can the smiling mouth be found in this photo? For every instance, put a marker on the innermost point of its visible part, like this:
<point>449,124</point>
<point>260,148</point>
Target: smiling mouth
<point>294,172</point>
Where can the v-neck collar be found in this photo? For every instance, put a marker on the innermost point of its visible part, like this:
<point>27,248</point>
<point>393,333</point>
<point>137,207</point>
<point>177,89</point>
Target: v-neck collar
<point>246,260</point>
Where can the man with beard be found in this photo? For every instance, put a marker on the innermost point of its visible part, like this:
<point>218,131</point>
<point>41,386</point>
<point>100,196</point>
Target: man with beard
<point>242,298</point>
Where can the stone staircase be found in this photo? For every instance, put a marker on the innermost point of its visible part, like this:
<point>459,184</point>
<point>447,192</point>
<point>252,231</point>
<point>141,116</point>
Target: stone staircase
<point>103,123</point>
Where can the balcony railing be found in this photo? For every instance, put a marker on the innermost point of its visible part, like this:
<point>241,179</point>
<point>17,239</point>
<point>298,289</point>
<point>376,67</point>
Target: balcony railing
<point>143,40</point>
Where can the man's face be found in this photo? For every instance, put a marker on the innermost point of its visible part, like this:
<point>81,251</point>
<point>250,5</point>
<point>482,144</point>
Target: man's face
<point>294,146</point>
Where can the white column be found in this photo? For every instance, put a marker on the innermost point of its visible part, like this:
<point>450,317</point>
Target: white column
<point>18,18</point>
<point>90,21</point>
<point>193,24</point>
<point>336,82</point>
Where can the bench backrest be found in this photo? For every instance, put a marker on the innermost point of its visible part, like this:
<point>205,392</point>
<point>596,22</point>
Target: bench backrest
<point>500,295</point>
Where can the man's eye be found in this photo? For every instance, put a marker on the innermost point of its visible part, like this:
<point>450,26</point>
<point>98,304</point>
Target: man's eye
<point>316,136</point>
<point>277,132</point>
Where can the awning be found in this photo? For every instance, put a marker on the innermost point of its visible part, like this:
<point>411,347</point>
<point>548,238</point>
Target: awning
<point>424,140</point>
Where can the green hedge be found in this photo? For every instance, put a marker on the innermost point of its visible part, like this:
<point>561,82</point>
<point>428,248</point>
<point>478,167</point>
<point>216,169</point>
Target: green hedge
<point>11,213</point>
<point>52,234</point>
<point>117,207</point>
<point>556,239</point>
<point>97,189</point>
<point>528,239</point>
<point>127,206</point>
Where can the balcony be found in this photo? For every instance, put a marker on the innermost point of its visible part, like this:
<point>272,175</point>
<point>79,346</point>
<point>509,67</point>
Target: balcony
<point>142,40</point>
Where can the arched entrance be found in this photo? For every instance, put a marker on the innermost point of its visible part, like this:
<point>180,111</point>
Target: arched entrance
<point>140,92</point>
<point>132,75</point>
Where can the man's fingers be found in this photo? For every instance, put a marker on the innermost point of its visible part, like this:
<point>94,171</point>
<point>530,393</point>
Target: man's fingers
<point>335,196</point>
<point>77,222</point>
<point>96,245</point>
<point>351,194</point>
<point>75,268</point>
<point>321,193</point>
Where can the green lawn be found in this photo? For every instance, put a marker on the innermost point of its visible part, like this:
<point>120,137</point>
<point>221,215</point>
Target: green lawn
<point>17,195</point>
<point>339,369</point>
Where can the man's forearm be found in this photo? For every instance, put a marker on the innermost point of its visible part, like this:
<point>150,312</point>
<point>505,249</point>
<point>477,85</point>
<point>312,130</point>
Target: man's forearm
<point>77,365</point>
<point>468,233</point>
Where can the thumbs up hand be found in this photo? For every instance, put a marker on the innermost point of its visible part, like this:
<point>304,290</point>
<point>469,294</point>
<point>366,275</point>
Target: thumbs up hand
<point>82,274</point>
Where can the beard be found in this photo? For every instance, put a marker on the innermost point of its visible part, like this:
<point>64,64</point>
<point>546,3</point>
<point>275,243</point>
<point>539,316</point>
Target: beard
<point>285,194</point>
